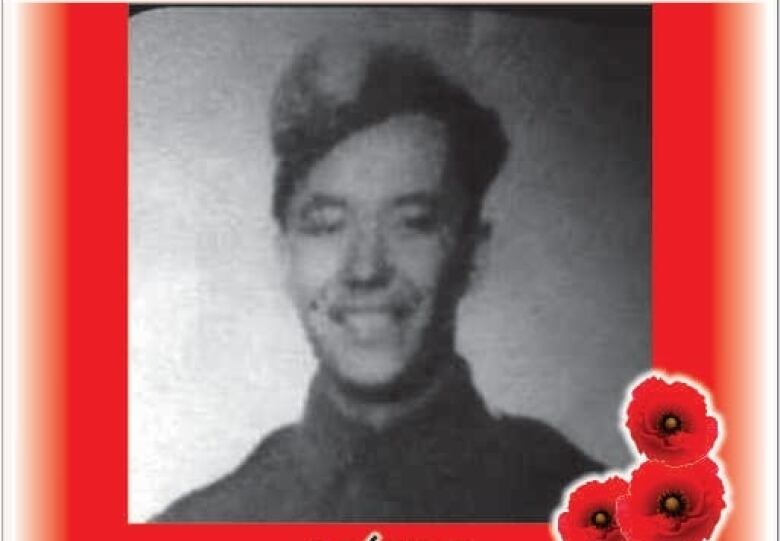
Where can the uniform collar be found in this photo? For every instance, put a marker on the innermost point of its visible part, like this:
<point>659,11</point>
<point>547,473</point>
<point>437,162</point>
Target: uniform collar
<point>451,404</point>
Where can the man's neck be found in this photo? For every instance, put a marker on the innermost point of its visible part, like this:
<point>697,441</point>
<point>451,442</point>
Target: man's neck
<point>384,408</point>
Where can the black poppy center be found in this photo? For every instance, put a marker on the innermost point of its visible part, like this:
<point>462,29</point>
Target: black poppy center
<point>671,423</point>
<point>600,519</point>
<point>672,504</point>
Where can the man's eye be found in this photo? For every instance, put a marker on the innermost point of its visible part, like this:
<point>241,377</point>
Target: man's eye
<point>419,222</point>
<point>322,221</point>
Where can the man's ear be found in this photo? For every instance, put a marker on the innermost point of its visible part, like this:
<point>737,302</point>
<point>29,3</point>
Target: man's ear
<point>283,258</point>
<point>471,259</point>
<point>480,252</point>
<point>484,233</point>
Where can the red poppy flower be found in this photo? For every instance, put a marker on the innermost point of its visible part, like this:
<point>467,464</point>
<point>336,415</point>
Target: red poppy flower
<point>591,512</point>
<point>666,503</point>
<point>669,422</point>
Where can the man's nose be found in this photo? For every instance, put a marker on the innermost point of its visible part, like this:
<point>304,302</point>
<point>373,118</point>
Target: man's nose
<point>367,263</point>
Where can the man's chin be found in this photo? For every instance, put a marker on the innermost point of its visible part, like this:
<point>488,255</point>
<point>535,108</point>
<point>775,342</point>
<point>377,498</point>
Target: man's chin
<point>371,389</point>
<point>391,380</point>
<point>379,385</point>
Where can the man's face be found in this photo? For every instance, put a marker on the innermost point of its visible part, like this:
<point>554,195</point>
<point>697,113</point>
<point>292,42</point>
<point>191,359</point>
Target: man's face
<point>369,242</point>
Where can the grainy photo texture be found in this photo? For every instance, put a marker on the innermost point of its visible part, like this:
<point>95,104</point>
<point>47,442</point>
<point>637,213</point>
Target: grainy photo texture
<point>386,263</point>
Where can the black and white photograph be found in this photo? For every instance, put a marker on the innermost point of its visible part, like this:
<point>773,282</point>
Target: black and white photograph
<point>386,263</point>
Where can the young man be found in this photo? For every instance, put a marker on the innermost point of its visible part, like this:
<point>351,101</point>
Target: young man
<point>383,164</point>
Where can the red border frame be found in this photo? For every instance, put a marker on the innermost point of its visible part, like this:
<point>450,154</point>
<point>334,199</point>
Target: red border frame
<point>73,267</point>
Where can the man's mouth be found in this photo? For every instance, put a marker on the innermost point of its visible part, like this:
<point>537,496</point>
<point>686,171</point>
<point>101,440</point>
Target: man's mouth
<point>370,323</point>
<point>370,326</point>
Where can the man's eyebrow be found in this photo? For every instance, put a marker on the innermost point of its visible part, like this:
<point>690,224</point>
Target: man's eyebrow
<point>323,200</point>
<point>418,198</point>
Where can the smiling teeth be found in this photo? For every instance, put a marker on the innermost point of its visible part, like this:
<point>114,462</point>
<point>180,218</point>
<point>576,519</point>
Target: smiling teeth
<point>370,325</point>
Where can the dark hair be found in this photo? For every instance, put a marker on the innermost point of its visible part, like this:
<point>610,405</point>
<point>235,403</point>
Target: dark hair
<point>332,90</point>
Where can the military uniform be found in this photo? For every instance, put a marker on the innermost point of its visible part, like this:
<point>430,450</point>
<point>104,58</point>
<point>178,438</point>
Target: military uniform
<point>450,461</point>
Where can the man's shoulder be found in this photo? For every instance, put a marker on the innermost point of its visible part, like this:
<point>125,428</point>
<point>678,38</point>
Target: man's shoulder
<point>540,440</point>
<point>226,499</point>
<point>536,463</point>
<point>545,451</point>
